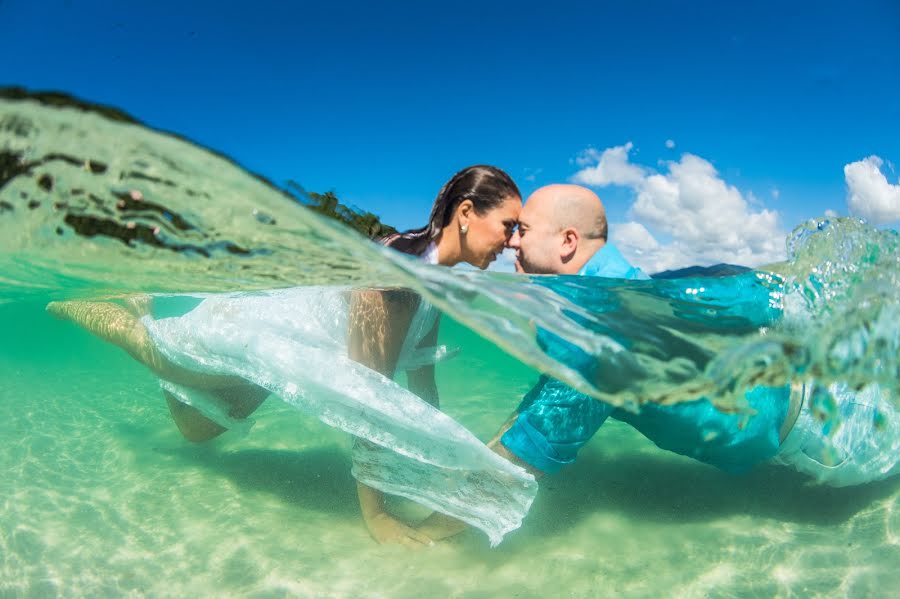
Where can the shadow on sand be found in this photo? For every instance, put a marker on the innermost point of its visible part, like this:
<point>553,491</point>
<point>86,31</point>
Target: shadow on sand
<point>672,489</point>
<point>317,478</point>
<point>663,488</point>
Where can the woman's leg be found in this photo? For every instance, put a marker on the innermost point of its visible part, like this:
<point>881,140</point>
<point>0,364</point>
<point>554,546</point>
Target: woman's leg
<point>119,326</point>
<point>194,426</point>
<point>122,327</point>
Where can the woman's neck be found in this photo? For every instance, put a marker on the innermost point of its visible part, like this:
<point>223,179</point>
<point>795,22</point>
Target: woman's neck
<point>448,246</point>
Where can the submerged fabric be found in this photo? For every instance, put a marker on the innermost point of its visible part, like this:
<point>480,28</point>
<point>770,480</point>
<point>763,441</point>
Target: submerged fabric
<point>555,422</point>
<point>293,343</point>
<point>733,442</point>
<point>857,444</point>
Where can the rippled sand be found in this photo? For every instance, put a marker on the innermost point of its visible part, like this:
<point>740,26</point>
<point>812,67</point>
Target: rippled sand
<point>101,497</point>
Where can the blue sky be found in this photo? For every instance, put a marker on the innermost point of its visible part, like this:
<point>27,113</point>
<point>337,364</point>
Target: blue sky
<point>381,102</point>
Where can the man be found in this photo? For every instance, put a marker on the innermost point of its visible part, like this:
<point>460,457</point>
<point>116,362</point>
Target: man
<point>563,230</point>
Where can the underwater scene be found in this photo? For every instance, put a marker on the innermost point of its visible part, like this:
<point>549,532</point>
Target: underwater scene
<point>103,496</point>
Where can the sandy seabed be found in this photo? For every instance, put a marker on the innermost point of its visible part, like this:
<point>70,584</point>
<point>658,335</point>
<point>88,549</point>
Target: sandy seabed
<point>101,497</point>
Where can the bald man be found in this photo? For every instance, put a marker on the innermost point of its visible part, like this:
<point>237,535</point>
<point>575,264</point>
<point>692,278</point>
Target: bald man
<point>563,230</point>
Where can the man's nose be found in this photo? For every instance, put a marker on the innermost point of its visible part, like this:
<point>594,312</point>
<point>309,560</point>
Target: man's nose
<point>513,240</point>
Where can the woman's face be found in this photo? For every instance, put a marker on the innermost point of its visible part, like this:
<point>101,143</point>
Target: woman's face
<point>489,233</point>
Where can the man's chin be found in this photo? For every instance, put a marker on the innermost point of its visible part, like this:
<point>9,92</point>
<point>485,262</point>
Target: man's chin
<point>529,269</point>
<point>519,268</point>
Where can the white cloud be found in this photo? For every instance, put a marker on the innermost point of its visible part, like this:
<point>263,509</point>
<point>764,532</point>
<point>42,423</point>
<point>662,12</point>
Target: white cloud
<point>612,167</point>
<point>643,250</point>
<point>831,213</point>
<point>531,174</point>
<point>670,144</point>
<point>776,193</point>
<point>707,220</point>
<point>505,262</point>
<point>869,193</point>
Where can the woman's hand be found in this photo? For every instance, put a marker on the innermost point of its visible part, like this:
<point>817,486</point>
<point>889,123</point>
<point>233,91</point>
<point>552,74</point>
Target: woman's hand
<point>440,526</point>
<point>386,529</point>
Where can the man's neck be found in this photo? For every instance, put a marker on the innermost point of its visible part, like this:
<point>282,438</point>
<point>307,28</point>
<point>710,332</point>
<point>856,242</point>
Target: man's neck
<point>582,256</point>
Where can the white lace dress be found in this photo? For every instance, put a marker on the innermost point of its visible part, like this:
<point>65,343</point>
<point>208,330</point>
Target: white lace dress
<point>293,342</point>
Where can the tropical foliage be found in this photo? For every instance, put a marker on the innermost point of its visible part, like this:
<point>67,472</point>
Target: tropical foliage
<point>329,205</point>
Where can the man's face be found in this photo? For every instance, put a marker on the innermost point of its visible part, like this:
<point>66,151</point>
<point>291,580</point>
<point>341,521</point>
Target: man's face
<point>537,241</point>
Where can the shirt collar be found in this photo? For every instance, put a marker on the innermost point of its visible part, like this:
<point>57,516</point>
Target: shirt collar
<point>609,262</point>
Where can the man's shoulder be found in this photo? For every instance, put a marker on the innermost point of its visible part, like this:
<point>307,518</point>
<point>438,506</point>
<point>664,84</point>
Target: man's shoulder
<point>609,262</point>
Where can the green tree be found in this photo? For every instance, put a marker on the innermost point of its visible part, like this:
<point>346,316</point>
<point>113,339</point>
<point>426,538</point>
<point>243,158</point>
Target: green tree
<point>328,204</point>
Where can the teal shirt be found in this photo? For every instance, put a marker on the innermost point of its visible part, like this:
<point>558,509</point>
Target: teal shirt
<point>608,262</point>
<point>555,421</point>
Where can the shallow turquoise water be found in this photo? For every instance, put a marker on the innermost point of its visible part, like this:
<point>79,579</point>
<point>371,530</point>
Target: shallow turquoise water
<point>102,497</point>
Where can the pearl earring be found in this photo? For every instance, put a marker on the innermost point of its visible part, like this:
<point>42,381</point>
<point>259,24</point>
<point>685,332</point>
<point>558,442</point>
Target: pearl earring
<point>464,229</point>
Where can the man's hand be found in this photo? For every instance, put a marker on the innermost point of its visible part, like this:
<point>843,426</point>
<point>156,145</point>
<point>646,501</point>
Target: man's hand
<point>440,526</point>
<point>386,529</point>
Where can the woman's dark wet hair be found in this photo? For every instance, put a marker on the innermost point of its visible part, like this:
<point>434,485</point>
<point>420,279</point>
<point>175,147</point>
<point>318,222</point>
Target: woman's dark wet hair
<point>485,186</point>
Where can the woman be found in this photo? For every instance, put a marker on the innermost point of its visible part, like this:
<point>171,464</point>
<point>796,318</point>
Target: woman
<point>219,361</point>
<point>471,221</point>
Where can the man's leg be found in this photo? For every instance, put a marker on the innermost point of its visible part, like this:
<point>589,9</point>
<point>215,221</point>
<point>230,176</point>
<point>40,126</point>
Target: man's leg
<point>859,443</point>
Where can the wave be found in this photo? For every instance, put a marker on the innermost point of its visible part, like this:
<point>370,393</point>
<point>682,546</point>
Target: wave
<point>95,204</point>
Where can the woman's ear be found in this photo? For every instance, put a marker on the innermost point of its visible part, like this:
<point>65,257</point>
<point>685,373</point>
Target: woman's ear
<point>464,211</point>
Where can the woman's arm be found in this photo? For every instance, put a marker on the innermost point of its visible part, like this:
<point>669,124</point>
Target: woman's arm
<point>379,322</point>
<point>421,380</point>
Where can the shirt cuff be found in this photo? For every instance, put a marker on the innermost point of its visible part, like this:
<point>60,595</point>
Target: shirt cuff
<point>529,445</point>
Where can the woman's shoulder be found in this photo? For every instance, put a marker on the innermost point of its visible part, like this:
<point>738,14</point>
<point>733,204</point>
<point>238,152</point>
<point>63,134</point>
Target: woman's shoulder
<point>411,243</point>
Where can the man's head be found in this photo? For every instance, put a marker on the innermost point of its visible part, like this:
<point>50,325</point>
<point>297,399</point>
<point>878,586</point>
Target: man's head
<point>560,228</point>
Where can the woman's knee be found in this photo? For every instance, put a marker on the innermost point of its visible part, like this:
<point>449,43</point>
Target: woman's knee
<point>193,425</point>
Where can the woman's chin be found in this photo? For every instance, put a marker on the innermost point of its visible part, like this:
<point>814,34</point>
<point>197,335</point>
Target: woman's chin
<point>487,261</point>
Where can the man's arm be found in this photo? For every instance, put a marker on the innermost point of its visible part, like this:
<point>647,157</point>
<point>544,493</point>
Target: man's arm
<point>497,446</point>
<point>552,423</point>
<point>439,526</point>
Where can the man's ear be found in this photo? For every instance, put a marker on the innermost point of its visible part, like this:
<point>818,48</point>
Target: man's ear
<point>570,243</point>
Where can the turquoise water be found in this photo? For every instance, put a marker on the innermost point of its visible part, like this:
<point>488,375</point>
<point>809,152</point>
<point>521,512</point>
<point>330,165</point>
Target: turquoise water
<point>102,497</point>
